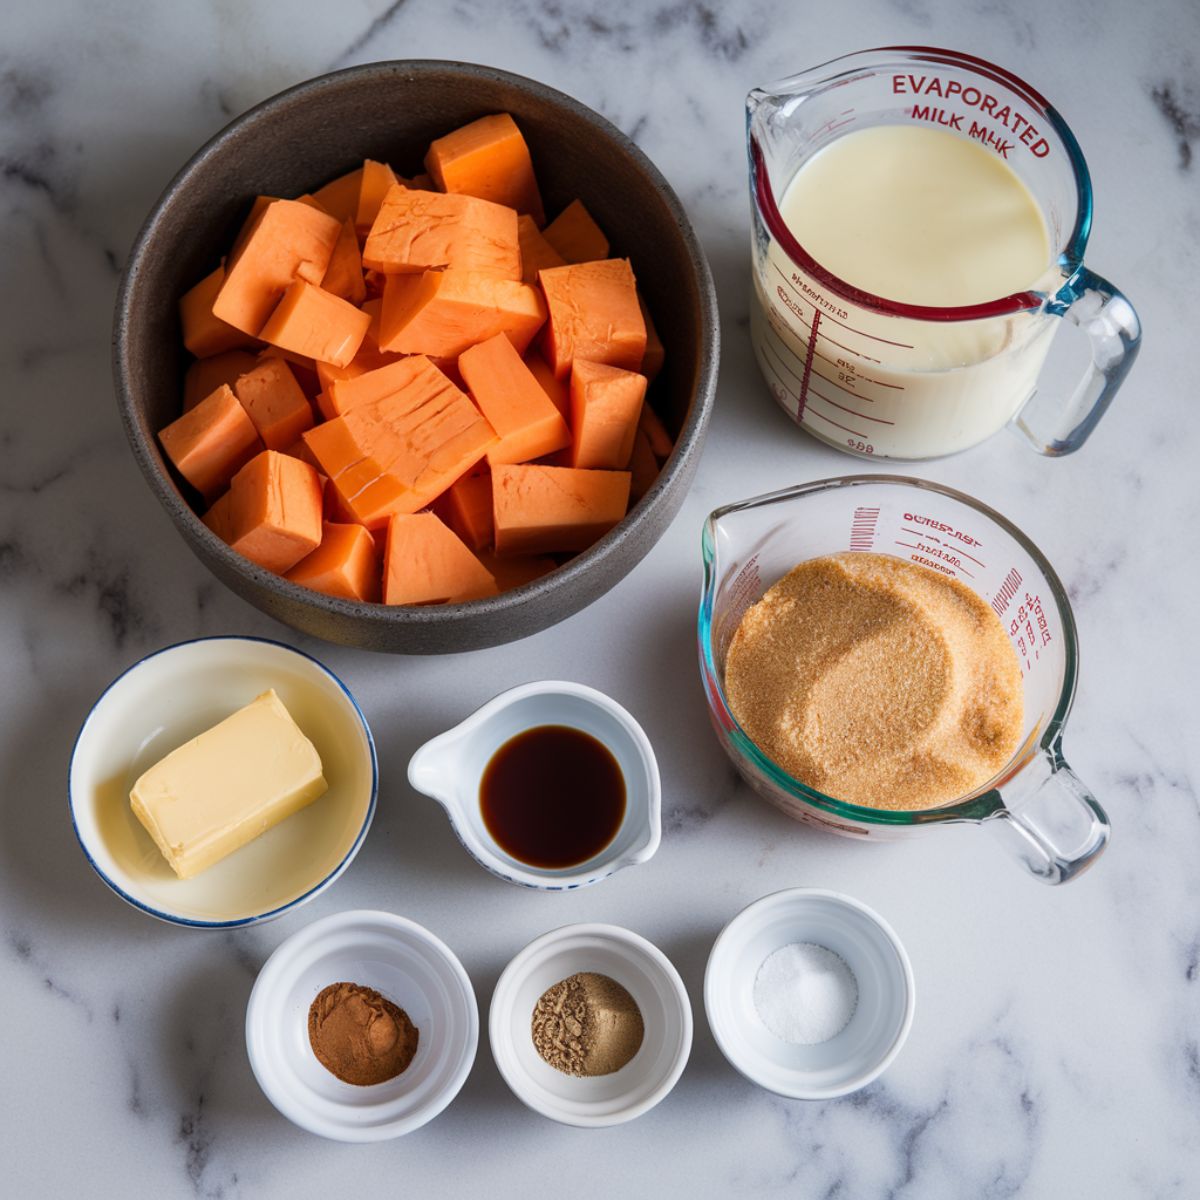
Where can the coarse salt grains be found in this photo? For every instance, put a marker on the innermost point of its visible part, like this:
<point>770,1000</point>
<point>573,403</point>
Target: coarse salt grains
<point>805,994</point>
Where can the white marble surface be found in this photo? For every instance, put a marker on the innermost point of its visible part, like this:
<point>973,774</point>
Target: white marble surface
<point>1056,1048</point>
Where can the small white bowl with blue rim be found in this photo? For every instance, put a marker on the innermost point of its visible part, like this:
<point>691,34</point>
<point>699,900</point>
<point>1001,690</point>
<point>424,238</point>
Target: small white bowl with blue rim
<point>175,694</point>
<point>449,768</point>
<point>863,940</point>
<point>411,967</point>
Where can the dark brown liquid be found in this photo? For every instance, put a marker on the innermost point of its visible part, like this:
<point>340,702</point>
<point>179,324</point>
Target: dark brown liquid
<point>552,796</point>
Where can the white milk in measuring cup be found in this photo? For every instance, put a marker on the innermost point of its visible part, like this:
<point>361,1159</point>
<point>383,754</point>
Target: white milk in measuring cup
<point>920,218</point>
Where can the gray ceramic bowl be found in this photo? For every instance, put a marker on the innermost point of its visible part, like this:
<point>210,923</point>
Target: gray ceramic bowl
<point>391,111</point>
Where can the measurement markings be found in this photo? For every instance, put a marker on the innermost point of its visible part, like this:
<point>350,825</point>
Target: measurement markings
<point>839,345</point>
<point>768,346</point>
<point>812,341</point>
<point>862,528</point>
<point>922,550</point>
<point>851,411</point>
<point>779,334</point>
<point>949,545</point>
<point>856,432</point>
<point>806,388</point>
<point>861,332</point>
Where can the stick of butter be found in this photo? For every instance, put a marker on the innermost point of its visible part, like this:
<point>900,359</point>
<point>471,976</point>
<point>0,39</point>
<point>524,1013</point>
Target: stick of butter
<point>224,788</point>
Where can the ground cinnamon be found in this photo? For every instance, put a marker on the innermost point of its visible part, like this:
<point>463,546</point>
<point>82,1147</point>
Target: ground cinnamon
<point>359,1035</point>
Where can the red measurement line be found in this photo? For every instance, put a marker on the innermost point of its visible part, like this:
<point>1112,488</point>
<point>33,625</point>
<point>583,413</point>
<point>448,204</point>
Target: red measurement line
<point>960,567</point>
<point>832,362</point>
<point>848,349</point>
<point>856,432</point>
<point>812,342</point>
<point>852,412</point>
<point>797,414</point>
<point>767,346</point>
<point>860,332</point>
<point>949,545</point>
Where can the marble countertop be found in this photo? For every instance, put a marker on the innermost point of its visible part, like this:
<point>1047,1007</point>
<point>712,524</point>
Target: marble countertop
<point>1056,1047</point>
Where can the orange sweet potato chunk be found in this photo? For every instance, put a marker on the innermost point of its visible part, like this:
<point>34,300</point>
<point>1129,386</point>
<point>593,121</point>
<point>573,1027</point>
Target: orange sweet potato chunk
<point>419,231</point>
<point>594,314</point>
<point>576,236</point>
<point>289,241</point>
<point>276,403</point>
<point>339,197</point>
<point>375,181</point>
<point>443,313</point>
<point>523,416</point>
<point>557,389</point>
<point>368,358</point>
<point>466,506</point>
<point>204,334</point>
<point>205,375</point>
<point>426,563</point>
<point>220,516</point>
<point>344,276</point>
<point>489,159</point>
<point>257,208</point>
<point>606,403</point>
<point>211,442</point>
<point>396,452</point>
<point>518,569</point>
<point>275,511</point>
<point>540,510</point>
<point>656,433</point>
<point>536,253</point>
<point>643,467</point>
<point>345,564</point>
<point>310,321</point>
<point>656,355</point>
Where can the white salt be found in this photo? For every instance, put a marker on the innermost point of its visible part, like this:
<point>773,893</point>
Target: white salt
<point>805,994</point>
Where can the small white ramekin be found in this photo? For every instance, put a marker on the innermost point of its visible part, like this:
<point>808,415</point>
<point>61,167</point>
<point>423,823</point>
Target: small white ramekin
<point>886,993</point>
<point>404,962</point>
<point>449,768</point>
<point>645,972</point>
<point>173,695</point>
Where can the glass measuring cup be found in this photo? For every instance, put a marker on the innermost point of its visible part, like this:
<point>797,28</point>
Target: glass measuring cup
<point>882,379</point>
<point>1038,805</point>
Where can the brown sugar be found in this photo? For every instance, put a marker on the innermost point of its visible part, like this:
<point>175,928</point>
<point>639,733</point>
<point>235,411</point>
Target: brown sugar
<point>877,681</point>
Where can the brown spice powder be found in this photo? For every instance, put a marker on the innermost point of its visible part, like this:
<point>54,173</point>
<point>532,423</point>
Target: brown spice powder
<point>877,681</point>
<point>360,1035</point>
<point>587,1024</point>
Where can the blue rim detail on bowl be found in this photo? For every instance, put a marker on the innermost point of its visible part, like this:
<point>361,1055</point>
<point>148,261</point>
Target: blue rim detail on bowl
<point>240,922</point>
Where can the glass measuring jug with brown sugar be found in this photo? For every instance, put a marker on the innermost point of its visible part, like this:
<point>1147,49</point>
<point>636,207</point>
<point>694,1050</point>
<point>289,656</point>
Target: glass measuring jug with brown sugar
<point>1041,809</point>
<point>919,222</point>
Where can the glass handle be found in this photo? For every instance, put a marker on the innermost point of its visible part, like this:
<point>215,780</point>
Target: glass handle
<point>1112,325</point>
<point>1051,821</point>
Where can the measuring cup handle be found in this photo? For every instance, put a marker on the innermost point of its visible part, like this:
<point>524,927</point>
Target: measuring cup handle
<point>1053,824</point>
<point>1111,323</point>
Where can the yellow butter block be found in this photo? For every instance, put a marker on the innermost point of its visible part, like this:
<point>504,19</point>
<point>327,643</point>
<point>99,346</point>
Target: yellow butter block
<point>224,788</point>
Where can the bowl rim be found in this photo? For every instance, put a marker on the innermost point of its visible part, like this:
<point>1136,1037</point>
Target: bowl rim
<point>401,930</point>
<point>185,518</point>
<point>270,914</point>
<point>628,944</point>
<point>785,898</point>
